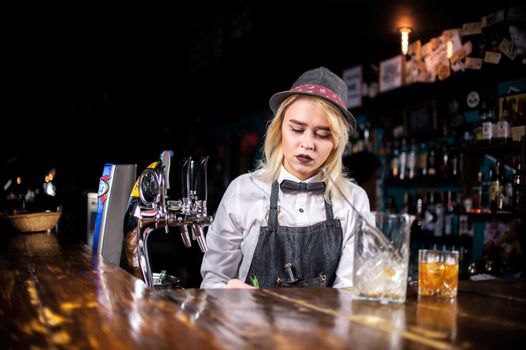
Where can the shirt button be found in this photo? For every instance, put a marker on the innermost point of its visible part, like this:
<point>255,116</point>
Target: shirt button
<point>301,210</point>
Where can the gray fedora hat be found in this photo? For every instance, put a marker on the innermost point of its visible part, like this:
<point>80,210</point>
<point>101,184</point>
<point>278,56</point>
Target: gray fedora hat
<point>319,82</point>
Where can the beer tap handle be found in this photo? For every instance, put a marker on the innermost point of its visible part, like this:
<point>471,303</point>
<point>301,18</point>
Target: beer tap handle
<point>166,158</point>
<point>184,166</point>
<point>190,178</point>
<point>202,182</point>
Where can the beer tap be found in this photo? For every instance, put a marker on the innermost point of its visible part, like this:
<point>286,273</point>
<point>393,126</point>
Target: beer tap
<point>183,229</point>
<point>201,193</point>
<point>150,209</point>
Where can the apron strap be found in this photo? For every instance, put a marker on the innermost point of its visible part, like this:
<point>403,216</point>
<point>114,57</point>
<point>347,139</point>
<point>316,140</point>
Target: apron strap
<point>273,213</point>
<point>328,213</point>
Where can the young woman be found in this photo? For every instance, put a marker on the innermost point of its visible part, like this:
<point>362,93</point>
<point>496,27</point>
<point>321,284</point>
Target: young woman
<point>285,225</point>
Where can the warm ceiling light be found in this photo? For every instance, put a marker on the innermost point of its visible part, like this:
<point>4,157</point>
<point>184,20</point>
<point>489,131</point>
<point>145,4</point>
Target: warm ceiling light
<point>449,49</point>
<point>404,32</point>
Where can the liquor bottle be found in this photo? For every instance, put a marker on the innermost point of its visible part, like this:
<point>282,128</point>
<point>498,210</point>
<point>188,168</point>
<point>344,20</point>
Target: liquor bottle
<point>444,163</point>
<point>508,196</point>
<point>516,200</point>
<point>390,205</point>
<point>476,194</point>
<point>403,160</point>
<point>411,161</point>
<point>395,161</point>
<point>418,224</point>
<point>366,138</point>
<point>518,128</point>
<point>405,205</point>
<point>421,163</point>
<point>440,216</point>
<point>494,188</point>
<point>503,125</point>
<point>485,201</point>
<point>430,213</point>
<point>494,121</point>
<point>451,218</point>
<point>431,161</point>
<point>487,127</point>
<point>454,162</point>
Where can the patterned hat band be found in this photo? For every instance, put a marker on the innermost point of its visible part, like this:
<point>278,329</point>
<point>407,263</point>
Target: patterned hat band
<point>320,90</point>
<point>319,82</point>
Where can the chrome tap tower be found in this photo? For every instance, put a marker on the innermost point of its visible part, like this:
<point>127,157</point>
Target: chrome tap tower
<point>150,210</point>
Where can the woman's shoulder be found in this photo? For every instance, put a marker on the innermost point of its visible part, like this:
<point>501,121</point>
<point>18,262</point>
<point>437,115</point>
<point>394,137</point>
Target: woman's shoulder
<point>248,178</point>
<point>356,195</point>
<point>249,182</point>
<point>357,192</point>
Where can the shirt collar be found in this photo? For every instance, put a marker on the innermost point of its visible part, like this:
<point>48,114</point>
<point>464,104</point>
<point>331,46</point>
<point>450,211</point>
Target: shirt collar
<point>285,175</point>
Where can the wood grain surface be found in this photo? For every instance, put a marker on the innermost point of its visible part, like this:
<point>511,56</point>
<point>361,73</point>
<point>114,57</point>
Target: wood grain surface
<point>62,297</point>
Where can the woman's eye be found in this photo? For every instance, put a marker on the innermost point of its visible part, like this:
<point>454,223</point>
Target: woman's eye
<point>296,130</point>
<point>323,136</point>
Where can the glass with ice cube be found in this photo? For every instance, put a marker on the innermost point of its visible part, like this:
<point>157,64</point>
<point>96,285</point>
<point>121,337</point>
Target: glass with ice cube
<point>381,256</point>
<point>438,273</point>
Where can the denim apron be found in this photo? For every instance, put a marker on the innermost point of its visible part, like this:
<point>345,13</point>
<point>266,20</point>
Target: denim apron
<point>296,256</point>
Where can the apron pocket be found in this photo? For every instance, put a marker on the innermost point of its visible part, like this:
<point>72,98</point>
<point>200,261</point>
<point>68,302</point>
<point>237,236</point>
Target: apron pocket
<point>317,282</point>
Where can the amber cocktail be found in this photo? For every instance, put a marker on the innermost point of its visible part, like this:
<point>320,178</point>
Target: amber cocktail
<point>438,273</point>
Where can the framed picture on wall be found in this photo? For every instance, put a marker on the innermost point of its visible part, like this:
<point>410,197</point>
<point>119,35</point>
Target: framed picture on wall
<point>391,72</point>
<point>353,78</point>
<point>420,119</point>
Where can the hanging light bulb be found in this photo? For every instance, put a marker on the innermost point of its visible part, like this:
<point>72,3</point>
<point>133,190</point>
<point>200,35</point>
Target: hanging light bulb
<point>449,48</point>
<point>404,32</point>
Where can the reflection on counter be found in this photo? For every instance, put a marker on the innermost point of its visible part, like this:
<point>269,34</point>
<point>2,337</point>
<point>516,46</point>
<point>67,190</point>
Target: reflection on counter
<point>436,317</point>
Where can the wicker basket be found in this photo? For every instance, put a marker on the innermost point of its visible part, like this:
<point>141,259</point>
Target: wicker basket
<point>35,222</point>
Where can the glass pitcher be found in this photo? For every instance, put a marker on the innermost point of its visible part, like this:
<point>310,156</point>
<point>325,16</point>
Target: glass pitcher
<point>381,257</point>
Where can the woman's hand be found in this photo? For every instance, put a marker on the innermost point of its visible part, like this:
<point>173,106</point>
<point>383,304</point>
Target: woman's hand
<point>235,283</point>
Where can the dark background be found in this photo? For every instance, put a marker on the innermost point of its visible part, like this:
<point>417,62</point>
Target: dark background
<point>85,87</point>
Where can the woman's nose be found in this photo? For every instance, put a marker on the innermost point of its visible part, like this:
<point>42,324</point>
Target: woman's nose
<point>308,141</point>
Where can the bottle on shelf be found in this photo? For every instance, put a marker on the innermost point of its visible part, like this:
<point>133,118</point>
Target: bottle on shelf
<point>503,125</point>
<point>451,217</point>
<point>518,118</point>
<point>390,205</point>
<point>403,160</point>
<point>443,170</point>
<point>516,197</point>
<point>411,160</point>
<point>476,194</point>
<point>489,124</point>
<point>454,163</point>
<point>421,163</point>
<point>501,193</point>
<point>431,161</point>
<point>487,129</point>
<point>485,198</point>
<point>418,224</point>
<point>366,138</point>
<point>395,161</point>
<point>494,187</point>
<point>430,213</point>
<point>440,216</point>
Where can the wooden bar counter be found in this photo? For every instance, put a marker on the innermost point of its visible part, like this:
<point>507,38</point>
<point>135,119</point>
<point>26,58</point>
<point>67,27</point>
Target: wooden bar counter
<point>63,297</point>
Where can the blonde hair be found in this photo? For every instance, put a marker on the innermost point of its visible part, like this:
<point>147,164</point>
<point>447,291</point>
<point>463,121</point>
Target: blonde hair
<point>272,159</point>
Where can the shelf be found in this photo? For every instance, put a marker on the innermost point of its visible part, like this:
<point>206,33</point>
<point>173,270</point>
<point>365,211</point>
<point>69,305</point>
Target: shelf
<point>504,216</point>
<point>458,83</point>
